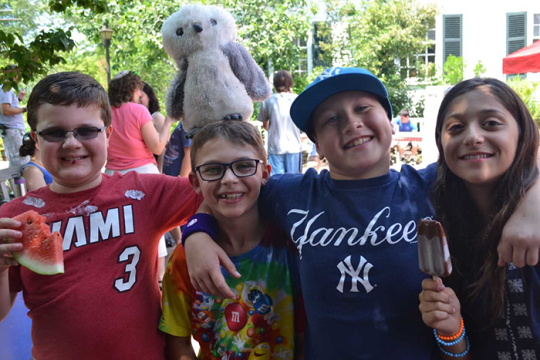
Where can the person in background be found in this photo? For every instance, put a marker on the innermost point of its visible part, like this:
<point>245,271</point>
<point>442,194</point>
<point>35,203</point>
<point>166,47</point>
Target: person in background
<point>284,142</point>
<point>35,175</point>
<point>176,161</point>
<point>404,124</point>
<point>12,120</point>
<point>135,138</point>
<point>149,100</point>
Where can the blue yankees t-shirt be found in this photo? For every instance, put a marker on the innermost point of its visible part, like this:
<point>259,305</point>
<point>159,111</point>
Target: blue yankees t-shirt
<point>358,260</point>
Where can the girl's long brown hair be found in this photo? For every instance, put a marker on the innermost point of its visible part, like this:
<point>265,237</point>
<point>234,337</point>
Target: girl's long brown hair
<point>457,212</point>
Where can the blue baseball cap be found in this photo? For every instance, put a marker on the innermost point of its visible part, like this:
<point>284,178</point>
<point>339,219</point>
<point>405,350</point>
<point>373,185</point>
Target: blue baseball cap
<point>332,81</point>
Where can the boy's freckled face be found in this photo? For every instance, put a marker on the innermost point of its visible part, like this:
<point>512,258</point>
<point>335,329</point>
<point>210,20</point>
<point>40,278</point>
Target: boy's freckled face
<point>230,197</point>
<point>354,133</point>
<point>73,164</point>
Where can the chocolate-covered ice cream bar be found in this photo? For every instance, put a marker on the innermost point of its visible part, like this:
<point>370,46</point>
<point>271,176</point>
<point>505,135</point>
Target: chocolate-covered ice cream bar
<point>433,252</point>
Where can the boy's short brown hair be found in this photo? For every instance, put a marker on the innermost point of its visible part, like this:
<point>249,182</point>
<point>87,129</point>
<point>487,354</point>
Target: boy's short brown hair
<point>65,89</point>
<point>235,131</point>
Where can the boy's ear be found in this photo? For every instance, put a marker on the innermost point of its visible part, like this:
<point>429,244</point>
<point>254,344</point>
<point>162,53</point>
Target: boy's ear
<point>34,137</point>
<point>194,181</point>
<point>392,126</point>
<point>319,150</point>
<point>108,133</point>
<point>266,170</point>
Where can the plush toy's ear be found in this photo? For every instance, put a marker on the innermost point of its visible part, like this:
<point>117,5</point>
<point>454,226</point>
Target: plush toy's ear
<point>247,71</point>
<point>174,100</point>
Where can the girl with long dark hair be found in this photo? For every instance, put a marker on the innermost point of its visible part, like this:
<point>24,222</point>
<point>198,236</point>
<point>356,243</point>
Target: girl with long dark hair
<point>488,143</point>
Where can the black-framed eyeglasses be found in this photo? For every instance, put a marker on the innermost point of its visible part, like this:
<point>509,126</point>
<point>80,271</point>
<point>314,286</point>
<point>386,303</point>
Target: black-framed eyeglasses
<point>216,171</point>
<point>81,133</point>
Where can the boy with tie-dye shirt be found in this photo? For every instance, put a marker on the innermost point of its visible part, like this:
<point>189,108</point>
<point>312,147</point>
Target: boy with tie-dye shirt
<point>260,321</point>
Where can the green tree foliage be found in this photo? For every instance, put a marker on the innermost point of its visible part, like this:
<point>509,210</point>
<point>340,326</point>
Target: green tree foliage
<point>35,53</point>
<point>528,91</point>
<point>271,31</point>
<point>479,69</point>
<point>453,70</point>
<point>379,35</point>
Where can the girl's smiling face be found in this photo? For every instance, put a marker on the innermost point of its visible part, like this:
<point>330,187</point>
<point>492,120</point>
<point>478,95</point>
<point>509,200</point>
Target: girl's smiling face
<point>479,137</point>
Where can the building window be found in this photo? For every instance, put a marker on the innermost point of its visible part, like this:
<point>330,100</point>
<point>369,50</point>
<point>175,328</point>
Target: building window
<point>516,32</point>
<point>452,36</point>
<point>321,34</point>
<point>536,27</point>
<point>302,67</point>
<point>427,56</point>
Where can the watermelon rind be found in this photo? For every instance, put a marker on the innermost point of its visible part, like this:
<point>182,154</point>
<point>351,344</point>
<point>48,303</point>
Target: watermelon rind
<point>52,269</point>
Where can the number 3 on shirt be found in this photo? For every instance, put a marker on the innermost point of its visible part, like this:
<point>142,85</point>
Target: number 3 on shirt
<point>131,268</point>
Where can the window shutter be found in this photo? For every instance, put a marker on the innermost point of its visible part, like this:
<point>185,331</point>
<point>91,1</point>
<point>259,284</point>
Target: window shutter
<point>452,35</point>
<point>516,31</point>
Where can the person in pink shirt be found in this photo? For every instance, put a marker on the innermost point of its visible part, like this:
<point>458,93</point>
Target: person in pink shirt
<point>135,139</point>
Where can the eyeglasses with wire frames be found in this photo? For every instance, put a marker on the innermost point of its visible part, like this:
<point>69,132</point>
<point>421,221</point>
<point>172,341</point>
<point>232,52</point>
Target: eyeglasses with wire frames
<point>80,133</point>
<point>216,171</point>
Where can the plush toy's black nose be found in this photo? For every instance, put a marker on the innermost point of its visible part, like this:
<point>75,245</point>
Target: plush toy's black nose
<point>198,28</point>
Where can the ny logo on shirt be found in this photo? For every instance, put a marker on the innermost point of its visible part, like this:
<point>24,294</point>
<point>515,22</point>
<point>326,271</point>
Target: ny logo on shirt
<point>347,268</point>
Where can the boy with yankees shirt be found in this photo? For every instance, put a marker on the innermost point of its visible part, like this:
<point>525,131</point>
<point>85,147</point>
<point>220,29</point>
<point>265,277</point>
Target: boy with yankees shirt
<point>354,227</point>
<point>107,303</point>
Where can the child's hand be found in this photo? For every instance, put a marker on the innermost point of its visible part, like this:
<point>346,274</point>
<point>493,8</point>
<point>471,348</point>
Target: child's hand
<point>203,259</point>
<point>440,307</point>
<point>7,234</point>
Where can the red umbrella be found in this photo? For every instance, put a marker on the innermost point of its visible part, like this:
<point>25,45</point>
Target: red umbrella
<point>523,61</point>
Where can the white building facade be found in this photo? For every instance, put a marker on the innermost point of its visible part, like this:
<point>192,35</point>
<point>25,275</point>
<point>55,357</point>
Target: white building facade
<point>486,31</point>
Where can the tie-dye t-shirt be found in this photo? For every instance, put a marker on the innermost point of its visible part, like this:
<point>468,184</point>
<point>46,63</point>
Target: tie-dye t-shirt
<point>260,325</point>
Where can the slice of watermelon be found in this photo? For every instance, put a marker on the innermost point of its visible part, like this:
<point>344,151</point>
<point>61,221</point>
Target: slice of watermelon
<point>42,251</point>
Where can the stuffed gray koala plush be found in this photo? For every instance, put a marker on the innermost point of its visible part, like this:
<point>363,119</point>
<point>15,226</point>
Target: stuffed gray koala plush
<point>217,78</point>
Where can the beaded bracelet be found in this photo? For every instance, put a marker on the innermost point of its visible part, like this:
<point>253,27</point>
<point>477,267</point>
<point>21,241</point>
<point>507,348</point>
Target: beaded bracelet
<point>200,223</point>
<point>455,336</point>
<point>448,353</point>
<point>449,343</point>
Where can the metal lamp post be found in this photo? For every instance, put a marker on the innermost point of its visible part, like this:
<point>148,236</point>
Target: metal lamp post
<point>106,35</point>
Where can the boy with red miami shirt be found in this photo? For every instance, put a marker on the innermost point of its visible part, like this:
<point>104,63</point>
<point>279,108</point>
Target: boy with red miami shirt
<point>107,303</point>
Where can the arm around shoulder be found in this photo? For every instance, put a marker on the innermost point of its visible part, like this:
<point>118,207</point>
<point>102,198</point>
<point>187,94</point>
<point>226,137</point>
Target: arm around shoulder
<point>520,240</point>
